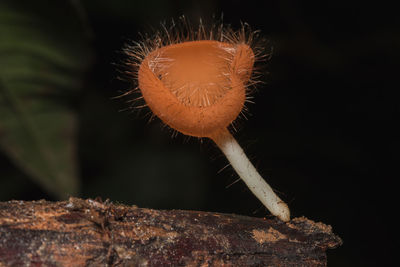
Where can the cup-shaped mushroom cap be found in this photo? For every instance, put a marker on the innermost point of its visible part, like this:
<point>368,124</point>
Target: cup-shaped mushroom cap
<point>196,87</point>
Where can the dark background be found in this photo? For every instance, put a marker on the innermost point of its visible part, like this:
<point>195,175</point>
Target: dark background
<point>322,131</point>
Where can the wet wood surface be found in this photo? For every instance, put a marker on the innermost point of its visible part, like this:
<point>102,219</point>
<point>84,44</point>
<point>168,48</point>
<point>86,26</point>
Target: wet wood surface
<point>95,233</point>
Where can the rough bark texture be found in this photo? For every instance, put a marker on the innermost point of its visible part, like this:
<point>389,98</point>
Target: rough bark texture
<point>94,233</point>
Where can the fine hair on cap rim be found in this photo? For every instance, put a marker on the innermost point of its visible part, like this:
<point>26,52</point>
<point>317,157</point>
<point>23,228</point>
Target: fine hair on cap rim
<point>196,81</point>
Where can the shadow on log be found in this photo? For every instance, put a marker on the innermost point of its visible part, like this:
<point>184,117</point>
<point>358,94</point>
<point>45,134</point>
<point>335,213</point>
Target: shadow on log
<point>94,233</point>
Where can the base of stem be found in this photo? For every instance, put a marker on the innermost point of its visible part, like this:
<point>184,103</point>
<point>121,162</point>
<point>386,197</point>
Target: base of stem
<point>248,173</point>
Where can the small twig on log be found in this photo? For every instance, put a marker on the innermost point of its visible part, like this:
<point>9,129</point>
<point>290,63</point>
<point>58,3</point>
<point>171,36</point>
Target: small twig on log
<point>94,233</point>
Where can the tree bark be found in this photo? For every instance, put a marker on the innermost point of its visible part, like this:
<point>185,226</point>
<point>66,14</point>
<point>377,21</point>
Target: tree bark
<point>95,233</point>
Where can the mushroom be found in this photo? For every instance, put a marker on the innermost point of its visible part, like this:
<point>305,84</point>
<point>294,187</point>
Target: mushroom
<point>197,85</point>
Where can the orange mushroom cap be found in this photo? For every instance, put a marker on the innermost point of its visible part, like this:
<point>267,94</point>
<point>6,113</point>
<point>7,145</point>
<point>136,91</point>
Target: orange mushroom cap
<point>196,87</point>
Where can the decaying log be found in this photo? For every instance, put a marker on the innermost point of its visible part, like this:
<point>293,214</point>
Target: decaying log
<point>95,233</point>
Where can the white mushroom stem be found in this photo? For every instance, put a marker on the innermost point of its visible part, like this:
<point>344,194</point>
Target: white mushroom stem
<point>248,173</point>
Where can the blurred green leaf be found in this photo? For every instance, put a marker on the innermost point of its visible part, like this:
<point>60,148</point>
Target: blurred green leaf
<point>43,56</point>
